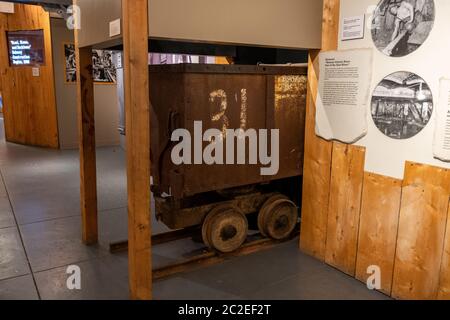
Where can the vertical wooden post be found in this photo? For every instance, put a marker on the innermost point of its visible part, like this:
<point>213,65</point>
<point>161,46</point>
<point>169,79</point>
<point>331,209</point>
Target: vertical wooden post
<point>137,105</point>
<point>318,152</point>
<point>86,127</point>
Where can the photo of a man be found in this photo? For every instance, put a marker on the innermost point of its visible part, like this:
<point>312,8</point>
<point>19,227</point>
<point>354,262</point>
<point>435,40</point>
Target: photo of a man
<point>404,17</point>
<point>400,27</point>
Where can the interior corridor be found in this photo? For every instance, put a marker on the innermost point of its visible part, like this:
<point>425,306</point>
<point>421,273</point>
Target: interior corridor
<point>40,237</point>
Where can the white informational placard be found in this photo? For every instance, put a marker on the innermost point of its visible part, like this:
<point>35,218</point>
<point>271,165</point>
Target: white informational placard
<point>353,28</point>
<point>6,7</point>
<point>342,98</point>
<point>441,145</point>
<point>36,71</point>
<point>115,28</point>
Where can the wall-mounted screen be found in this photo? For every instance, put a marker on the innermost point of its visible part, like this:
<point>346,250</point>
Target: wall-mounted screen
<point>26,48</point>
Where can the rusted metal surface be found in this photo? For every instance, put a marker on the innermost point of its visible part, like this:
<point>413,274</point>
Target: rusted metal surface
<point>225,229</point>
<point>224,97</point>
<point>290,93</point>
<point>278,217</point>
<point>177,214</point>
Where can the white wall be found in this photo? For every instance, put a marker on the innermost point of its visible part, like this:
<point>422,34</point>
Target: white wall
<point>106,100</point>
<point>431,61</point>
<point>280,23</point>
<point>275,23</point>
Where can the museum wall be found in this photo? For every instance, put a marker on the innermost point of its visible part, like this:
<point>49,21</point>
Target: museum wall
<point>106,101</point>
<point>379,208</point>
<point>28,90</point>
<point>384,155</point>
<point>278,23</point>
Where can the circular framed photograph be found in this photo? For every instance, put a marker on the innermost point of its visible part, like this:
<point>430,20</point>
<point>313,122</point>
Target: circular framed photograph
<point>400,27</point>
<point>402,105</point>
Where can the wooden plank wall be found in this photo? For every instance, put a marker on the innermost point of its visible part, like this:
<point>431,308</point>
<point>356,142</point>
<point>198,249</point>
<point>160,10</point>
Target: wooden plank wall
<point>422,226</point>
<point>317,166</point>
<point>29,102</point>
<point>352,219</point>
<point>347,175</point>
<point>378,228</point>
<point>444,282</point>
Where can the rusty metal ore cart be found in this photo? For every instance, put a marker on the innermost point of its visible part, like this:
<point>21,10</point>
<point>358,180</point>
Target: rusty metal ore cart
<point>220,197</point>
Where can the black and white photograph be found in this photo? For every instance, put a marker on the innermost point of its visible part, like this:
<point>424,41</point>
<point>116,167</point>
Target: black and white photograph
<point>103,67</point>
<point>70,61</point>
<point>402,105</point>
<point>400,27</point>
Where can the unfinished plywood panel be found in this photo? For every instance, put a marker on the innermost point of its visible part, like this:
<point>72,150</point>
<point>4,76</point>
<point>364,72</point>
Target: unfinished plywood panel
<point>416,173</point>
<point>380,210</point>
<point>422,225</point>
<point>317,162</point>
<point>344,207</point>
<point>29,100</point>
<point>444,281</point>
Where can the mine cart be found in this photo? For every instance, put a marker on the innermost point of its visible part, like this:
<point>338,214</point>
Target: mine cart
<point>220,197</point>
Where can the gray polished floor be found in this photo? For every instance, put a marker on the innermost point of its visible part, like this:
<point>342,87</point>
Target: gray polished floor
<point>40,238</point>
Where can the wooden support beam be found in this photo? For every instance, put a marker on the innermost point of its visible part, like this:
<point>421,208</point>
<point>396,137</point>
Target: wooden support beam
<point>86,127</point>
<point>137,105</point>
<point>318,152</point>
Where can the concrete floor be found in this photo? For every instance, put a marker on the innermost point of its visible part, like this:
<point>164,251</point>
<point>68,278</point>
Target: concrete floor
<point>40,237</point>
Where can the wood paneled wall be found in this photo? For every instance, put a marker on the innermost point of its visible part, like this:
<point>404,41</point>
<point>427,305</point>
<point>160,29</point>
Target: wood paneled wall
<point>354,220</point>
<point>420,241</point>
<point>380,209</point>
<point>347,175</point>
<point>317,162</point>
<point>444,281</point>
<point>29,102</point>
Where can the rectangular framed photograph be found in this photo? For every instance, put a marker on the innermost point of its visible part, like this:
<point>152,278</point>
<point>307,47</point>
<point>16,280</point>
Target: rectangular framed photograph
<point>103,67</point>
<point>70,68</point>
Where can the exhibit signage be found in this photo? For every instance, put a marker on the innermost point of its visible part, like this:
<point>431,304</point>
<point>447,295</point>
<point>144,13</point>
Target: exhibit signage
<point>441,144</point>
<point>6,7</point>
<point>20,52</point>
<point>353,28</point>
<point>26,48</point>
<point>344,84</point>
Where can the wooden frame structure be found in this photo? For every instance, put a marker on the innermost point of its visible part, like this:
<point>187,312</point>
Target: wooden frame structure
<point>318,153</point>
<point>340,214</point>
<point>137,105</point>
<point>135,40</point>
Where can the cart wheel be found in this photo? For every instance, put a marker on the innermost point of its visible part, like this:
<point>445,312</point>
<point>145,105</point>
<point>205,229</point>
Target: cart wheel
<point>263,213</point>
<point>278,218</point>
<point>225,229</point>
